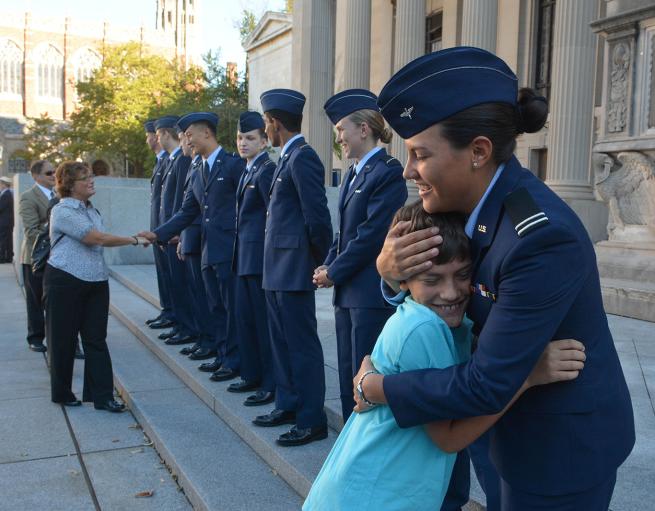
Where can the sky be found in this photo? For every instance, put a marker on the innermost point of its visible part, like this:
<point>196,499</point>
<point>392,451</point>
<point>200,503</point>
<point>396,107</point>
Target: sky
<point>219,17</point>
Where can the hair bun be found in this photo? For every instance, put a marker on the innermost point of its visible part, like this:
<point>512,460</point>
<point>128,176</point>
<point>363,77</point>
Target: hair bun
<point>532,111</point>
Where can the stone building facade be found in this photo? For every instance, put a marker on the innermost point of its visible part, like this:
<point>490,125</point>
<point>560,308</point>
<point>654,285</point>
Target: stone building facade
<point>42,59</point>
<point>593,59</point>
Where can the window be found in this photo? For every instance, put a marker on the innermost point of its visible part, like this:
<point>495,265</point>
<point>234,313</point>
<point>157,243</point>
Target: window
<point>433,30</point>
<point>17,164</point>
<point>85,62</point>
<point>544,44</point>
<point>11,68</point>
<point>50,72</point>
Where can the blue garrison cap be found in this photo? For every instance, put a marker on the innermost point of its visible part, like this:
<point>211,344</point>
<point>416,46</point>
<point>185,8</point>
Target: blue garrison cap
<point>249,121</point>
<point>188,119</point>
<point>436,86</point>
<point>349,101</point>
<point>287,100</point>
<point>150,126</point>
<point>168,121</point>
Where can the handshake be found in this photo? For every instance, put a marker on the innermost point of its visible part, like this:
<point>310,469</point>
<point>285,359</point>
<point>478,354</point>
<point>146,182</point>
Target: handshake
<point>147,238</point>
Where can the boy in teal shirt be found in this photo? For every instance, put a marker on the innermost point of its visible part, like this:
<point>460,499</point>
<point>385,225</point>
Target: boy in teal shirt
<point>374,464</point>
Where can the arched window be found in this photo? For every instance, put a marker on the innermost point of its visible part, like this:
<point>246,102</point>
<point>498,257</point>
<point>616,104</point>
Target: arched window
<point>85,62</point>
<point>11,68</point>
<point>50,72</point>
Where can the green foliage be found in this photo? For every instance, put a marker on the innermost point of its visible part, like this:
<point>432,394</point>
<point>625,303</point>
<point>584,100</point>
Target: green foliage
<point>44,140</point>
<point>128,89</point>
<point>247,24</point>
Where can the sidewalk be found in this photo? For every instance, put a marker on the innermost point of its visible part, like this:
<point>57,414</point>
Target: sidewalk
<point>56,458</point>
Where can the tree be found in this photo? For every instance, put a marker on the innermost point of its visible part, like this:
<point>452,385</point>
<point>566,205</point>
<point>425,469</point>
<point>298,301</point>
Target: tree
<point>247,24</point>
<point>44,140</point>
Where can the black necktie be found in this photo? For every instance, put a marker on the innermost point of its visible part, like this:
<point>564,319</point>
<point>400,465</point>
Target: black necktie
<point>205,170</point>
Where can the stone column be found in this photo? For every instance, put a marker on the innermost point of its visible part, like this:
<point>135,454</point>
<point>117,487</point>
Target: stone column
<point>358,44</point>
<point>409,44</point>
<point>479,21</point>
<point>313,71</point>
<point>568,171</point>
<point>571,101</point>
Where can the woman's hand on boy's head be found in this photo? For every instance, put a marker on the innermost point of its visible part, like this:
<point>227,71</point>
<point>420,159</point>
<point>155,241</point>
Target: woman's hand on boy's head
<point>562,360</point>
<point>404,255</point>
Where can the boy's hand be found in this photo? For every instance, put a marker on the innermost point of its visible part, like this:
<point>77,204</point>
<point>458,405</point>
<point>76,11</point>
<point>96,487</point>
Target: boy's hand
<point>561,361</point>
<point>404,255</point>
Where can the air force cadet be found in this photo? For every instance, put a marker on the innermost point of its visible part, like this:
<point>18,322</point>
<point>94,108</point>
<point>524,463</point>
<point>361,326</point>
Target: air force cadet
<point>214,198</point>
<point>370,194</point>
<point>166,318</point>
<point>298,237</point>
<point>172,192</point>
<point>248,262</point>
<point>535,279</point>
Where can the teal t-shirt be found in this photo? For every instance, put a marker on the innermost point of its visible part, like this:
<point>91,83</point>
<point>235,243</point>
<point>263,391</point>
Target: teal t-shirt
<point>375,465</point>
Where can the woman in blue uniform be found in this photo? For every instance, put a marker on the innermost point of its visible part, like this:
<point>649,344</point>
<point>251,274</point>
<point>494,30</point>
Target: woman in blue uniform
<point>535,279</point>
<point>370,194</point>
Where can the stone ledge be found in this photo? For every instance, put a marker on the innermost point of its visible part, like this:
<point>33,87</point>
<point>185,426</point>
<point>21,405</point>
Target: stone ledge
<point>629,298</point>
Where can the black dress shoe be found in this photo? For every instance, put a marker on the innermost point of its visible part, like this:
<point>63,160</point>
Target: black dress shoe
<point>38,347</point>
<point>74,402</point>
<point>167,335</point>
<point>243,386</point>
<point>162,323</point>
<point>190,349</point>
<point>110,406</point>
<point>261,397</point>
<point>176,340</point>
<point>224,374</point>
<point>275,418</point>
<point>297,436</point>
<point>202,354</point>
<point>152,320</point>
<point>211,367</point>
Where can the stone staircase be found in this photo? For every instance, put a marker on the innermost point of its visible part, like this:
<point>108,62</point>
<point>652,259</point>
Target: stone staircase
<point>203,432</point>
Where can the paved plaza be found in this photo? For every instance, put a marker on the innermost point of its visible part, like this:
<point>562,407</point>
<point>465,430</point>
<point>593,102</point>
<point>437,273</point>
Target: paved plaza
<point>188,441</point>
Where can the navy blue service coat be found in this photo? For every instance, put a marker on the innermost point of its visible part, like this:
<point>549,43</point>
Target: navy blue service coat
<point>365,212</point>
<point>298,228</point>
<point>539,286</point>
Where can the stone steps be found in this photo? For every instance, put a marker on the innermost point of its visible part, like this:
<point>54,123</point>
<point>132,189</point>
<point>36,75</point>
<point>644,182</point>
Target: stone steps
<point>216,469</point>
<point>296,466</point>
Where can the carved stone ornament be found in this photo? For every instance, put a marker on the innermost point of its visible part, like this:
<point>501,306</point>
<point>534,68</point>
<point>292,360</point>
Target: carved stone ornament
<point>617,108</point>
<point>627,185</point>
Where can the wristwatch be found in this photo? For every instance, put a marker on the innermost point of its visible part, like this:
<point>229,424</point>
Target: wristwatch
<point>360,390</point>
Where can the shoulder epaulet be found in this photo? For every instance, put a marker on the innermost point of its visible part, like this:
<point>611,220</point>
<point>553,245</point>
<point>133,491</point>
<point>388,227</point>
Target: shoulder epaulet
<point>391,161</point>
<point>524,212</point>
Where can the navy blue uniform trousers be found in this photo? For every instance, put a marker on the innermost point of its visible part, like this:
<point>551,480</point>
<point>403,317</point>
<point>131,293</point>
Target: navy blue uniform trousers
<point>297,356</point>
<point>219,285</point>
<point>161,267</point>
<point>179,293</point>
<point>204,320</point>
<point>357,330</point>
<point>252,332</point>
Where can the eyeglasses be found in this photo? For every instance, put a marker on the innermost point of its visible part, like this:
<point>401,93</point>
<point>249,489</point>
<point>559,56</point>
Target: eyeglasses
<point>49,173</point>
<point>86,178</point>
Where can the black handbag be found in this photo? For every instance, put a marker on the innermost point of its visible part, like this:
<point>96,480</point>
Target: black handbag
<point>41,252</point>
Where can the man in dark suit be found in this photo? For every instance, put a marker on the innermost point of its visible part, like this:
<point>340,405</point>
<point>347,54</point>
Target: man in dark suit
<point>535,279</point>
<point>166,318</point>
<point>214,197</point>
<point>298,237</point>
<point>6,220</point>
<point>172,192</point>
<point>33,210</point>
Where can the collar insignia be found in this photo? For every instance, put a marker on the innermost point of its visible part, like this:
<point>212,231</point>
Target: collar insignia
<point>482,228</point>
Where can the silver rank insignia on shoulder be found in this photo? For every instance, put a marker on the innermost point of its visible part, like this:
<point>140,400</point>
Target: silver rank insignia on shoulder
<point>482,228</point>
<point>524,212</point>
<point>407,112</point>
